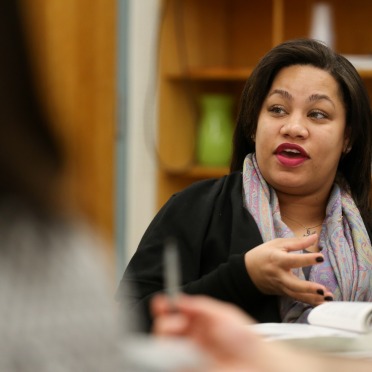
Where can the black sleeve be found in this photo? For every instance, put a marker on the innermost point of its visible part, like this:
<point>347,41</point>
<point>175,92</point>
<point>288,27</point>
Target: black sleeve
<point>210,230</point>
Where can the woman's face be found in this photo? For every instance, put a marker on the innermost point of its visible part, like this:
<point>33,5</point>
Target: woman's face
<point>301,131</point>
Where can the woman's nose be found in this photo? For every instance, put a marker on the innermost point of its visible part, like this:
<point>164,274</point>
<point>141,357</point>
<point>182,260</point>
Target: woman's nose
<point>295,127</point>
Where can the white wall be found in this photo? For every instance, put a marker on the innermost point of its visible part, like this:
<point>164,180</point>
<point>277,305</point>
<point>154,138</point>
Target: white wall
<point>141,163</point>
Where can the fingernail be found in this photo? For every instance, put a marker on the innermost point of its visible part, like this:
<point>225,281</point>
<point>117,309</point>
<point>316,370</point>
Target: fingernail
<point>319,259</point>
<point>320,291</point>
<point>328,298</point>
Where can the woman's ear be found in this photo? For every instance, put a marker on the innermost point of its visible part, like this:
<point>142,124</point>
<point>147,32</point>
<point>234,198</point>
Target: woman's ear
<point>347,147</point>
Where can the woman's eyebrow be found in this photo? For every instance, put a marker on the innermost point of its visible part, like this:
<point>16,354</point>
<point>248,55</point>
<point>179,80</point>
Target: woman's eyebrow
<point>283,93</point>
<point>312,98</point>
<point>319,97</point>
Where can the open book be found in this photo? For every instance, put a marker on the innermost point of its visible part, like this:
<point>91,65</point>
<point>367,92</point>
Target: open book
<point>333,326</point>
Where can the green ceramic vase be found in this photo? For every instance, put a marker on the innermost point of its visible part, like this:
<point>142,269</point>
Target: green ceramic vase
<point>214,140</point>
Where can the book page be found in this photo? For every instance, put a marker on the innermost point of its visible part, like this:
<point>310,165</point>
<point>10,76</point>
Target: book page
<point>351,316</point>
<point>323,339</point>
<point>286,331</point>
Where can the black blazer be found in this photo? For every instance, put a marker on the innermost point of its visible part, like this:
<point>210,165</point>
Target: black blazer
<point>213,231</point>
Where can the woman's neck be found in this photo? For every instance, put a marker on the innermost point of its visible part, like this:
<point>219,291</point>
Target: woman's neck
<point>305,210</point>
<point>303,215</point>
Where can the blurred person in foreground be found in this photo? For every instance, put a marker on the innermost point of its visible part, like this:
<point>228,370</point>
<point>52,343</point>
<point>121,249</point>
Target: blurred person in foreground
<point>56,309</point>
<point>222,331</point>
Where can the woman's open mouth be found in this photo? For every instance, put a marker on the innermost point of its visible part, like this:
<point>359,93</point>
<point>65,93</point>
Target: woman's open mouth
<point>291,155</point>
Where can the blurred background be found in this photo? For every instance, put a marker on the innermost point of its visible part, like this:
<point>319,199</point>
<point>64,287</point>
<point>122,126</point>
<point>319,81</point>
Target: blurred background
<point>92,60</point>
<point>144,92</point>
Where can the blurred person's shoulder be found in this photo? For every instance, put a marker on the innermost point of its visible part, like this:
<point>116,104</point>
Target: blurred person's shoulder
<point>48,249</point>
<point>56,299</point>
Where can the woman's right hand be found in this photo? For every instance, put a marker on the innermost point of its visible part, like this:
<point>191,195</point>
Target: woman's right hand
<point>270,267</point>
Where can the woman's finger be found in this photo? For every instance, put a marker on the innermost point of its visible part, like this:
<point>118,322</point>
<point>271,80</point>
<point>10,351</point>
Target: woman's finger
<point>297,244</point>
<point>305,291</point>
<point>295,261</point>
<point>295,284</point>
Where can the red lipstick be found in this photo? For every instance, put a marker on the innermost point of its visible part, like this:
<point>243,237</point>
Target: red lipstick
<point>291,155</point>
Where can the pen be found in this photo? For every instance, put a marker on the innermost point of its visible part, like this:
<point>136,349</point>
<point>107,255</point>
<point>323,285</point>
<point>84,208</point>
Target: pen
<point>172,271</point>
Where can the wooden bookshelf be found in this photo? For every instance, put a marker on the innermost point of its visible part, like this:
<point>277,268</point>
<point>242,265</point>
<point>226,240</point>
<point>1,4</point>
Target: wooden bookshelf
<point>212,46</point>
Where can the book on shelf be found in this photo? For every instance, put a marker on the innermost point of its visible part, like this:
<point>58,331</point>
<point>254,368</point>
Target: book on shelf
<point>337,326</point>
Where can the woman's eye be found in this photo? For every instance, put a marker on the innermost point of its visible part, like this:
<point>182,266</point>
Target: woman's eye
<point>277,110</point>
<point>318,115</point>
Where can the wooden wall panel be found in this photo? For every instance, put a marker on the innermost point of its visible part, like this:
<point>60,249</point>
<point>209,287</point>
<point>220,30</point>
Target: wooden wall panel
<point>74,50</point>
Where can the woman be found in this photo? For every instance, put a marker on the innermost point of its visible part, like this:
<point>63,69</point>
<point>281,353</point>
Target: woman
<point>299,183</point>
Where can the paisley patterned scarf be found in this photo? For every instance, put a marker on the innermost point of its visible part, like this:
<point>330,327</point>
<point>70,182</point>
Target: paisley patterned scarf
<point>347,267</point>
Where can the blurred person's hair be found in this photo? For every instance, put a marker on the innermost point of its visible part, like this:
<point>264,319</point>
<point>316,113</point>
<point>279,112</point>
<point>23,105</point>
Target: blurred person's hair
<point>31,158</point>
